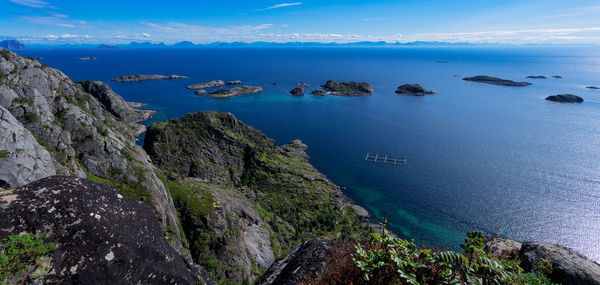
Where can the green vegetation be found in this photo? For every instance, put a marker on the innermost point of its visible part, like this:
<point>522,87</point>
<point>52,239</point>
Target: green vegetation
<point>389,260</point>
<point>5,54</point>
<point>22,100</point>
<point>3,154</point>
<point>133,190</point>
<point>20,252</point>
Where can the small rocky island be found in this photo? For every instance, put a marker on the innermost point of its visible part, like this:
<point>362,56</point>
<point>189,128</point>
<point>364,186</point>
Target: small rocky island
<point>347,88</point>
<point>536,77</point>
<point>318,92</point>
<point>146,77</point>
<point>495,81</point>
<point>233,82</point>
<point>235,91</point>
<point>592,87</point>
<point>86,58</point>
<point>413,90</point>
<point>556,76</point>
<point>205,85</point>
<point>565,98</point>
<point>298,91</point>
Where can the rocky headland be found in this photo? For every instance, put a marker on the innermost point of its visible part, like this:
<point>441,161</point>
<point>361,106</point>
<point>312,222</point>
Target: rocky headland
<point>146,77</point>
<point>565,98</point>
<point>235,91</point>
<point>495,81</point>
<point>413,90</point>
<point>206,85</point>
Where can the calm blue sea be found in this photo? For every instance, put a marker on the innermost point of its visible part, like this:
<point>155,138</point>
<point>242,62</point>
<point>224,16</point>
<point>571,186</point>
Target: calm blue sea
<point>480,157</point>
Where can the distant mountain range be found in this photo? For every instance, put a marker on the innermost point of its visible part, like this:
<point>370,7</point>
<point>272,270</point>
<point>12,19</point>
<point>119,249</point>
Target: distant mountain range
<point>12,45</point>
<point>15,45</point>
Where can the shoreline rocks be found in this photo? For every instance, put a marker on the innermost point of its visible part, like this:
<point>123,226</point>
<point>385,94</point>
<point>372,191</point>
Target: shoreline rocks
<point>145,77</point>
<point>495,81</point>
<point>298,91</point>
<point>206,85</point>
<point>235,91</point>
<point>413,90</point>
<point>565,98</point>
<point>347,88</point>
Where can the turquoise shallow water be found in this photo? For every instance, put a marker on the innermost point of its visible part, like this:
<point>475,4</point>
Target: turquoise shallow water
<point>480,157</point>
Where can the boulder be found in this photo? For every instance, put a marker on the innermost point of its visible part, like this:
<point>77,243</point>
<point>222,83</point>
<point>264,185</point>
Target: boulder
<point>501,247</point>
<point>101,236</point>
<point>304,263</point>
<point>569,266</point>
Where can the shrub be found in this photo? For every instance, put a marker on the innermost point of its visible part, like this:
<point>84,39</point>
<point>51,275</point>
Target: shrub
<point>20,252</point>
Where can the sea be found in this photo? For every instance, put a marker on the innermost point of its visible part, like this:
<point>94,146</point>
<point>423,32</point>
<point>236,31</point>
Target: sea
<point>496,159</point>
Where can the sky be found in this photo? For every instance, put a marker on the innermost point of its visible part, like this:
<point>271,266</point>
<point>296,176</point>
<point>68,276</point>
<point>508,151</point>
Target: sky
<point>471,21</point>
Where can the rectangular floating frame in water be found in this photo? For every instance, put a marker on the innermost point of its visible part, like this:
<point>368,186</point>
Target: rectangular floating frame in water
<point>386,159</point>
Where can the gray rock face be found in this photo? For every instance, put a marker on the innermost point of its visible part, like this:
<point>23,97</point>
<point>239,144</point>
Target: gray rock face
<point>114,103</point>
<point>22,158</point>
<point>304,263</point>
<point>500,247</point>
<point>570,267</point>
<point>83,135</point>
<point>101,237</point>
<point>206,85</point>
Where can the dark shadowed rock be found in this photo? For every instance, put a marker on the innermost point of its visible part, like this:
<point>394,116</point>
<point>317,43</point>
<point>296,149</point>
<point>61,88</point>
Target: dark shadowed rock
<point>413,90</point>
<point>495,81</point>
<point>318,93</point>
<point>101,237</point>
<point>146,77</point>
<point>298,91</point>
<point>205,85</point>
<point>235,91</point>
<point>304,263</point>
<point>565,98</point>
<point>347,88</point>
<point>536,77</point>
<point>115,103</point>
<point>569,266</point>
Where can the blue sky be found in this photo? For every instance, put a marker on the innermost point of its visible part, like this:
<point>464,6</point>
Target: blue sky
<point>475,21</point>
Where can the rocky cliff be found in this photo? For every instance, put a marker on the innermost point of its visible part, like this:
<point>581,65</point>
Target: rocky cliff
<point>293,200</point>
<point>52,125</point>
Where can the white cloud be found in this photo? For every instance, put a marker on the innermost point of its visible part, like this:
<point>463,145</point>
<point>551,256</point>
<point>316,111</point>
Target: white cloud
<point>280,6</point>
<point>33,3</point>
<point>177,31</point>
<point>372,19</point>
<point>146,35</point>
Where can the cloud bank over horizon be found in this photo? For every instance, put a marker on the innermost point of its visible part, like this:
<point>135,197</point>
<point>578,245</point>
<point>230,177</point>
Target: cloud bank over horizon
<point>55,22</point>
